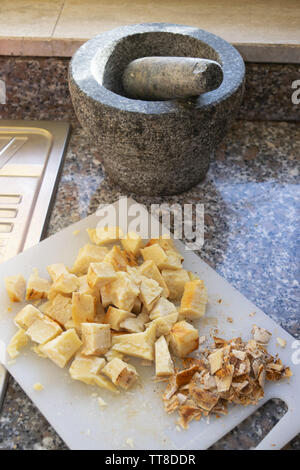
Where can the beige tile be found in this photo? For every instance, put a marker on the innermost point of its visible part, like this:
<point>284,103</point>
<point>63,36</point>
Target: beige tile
<point>31,18</point>
<point>254,21</point>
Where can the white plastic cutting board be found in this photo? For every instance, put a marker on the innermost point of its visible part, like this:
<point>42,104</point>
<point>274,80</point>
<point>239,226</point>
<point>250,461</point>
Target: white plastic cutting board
<point>136,419</point>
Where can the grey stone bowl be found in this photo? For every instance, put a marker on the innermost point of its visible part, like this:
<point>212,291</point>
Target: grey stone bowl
<point>153,147</point>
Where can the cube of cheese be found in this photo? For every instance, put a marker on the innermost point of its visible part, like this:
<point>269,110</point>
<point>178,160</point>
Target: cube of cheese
<point>37,287</point>
<point>85,368</point>
<point>155,253</point>
<point>86,255</point>
<point>175,280</point>
<point>216,360</point>
<point>96,338</point>
<point>120,373</point>
<point>83,287</point>
<point>137,344</point>
<point>66,283</point>
<point>59,309</point>
<point>184,338</point>
<point>43,330</point>
<point>18,341</point>
<point>174,260</point>
<point>132,242</point>
<point>118,258</point>
<point>149,269</point>
<point>150,291</point>
<point>133,325</point>
<point>111,354</point>
<point>115,316</point>
<point>163,363</point>
<point>122,292</point>
<point>56,270</point>
<point>83,308</point>
<point>165,241</point>
<point>194,300</point>
<point>164,324</point>
<point>100,274</point>
<point>162,308</point>
<point>27,316</point>
<point>62,348</point>
<point>104,235</point>
<point>15,287</point>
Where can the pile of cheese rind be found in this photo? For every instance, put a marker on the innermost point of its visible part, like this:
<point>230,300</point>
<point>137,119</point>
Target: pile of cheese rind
<point>122,298</point>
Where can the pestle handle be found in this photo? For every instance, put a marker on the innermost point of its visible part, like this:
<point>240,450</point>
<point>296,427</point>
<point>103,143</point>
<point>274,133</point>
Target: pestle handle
<point>165,78</point>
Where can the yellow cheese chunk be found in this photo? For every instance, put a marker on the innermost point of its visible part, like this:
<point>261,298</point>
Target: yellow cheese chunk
<point>59,309</point>
<point>184,338</point>
<point>162,308</point>
<point>173,261</point>
<point>37,287</point>
<point>83,308</point>
<point>163,363</point>
<point>132,242</point>
<point>96,338</point>
<point>62,348</point>
<point>86,255</point>
<point>105,235</point>
<point>119,259</point>
<point>122,292</point>
<point>155,253</point>
<point>18,341</point>
<point>27,316</point>
<point>115,316</point>
<point>175,280</point>
<point>100,274</point>
<point>120,373</point>
<point>43,330</point>
<point>150,291</point>
<point>15,287</point>
<point>149,269</point>
<point>164,324</point>
<point>137,344</point>
<point>194,299</point>
<point>66,283</point>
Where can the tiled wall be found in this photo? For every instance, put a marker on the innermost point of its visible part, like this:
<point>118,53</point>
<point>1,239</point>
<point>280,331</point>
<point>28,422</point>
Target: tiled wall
<point>37,88</point>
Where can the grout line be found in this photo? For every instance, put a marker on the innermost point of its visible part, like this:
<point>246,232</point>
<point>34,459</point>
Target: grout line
<point>58,18</point>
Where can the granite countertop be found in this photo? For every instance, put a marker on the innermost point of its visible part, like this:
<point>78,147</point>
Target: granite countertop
<point>250,197</point>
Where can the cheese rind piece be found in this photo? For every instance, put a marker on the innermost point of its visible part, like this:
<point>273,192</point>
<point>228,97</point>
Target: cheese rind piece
<point>100,274</point>
<point>150,290</point>
<point>115,316</point>
<point>149,269</point>
<point>120,373</point>
<point>43,330</point>
<point>132,242</point>
<point>162,308</point>
<point>175,280</point>
<point>86,255</point>
<point>18,341</point>
<point>83,308</point>
<point>37,287</point>
<point>62,348</point>
<point>215,360</point>
<point>59,309</point>
<point>96,338</point>
<point>163,363</point>
<point>194,300</point>
<point>184,338</point>
<point>137,344</point>
<point>15,287</point>
<point>27,316</point>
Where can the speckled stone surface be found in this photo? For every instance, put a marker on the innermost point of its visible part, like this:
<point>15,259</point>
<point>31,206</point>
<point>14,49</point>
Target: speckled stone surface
<point>267,95</point>
<point>173,138</point>
<point>251,198</point>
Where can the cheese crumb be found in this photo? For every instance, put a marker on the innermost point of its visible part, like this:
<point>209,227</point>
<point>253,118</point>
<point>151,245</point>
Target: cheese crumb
<point>281,342</point>
<point>38,387</point>
<point>130,442</point>
<point>101,402</point>
<point>76,232</point>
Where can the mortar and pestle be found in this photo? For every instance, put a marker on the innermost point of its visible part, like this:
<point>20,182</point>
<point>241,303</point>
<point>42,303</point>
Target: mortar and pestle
<point>157,99</point>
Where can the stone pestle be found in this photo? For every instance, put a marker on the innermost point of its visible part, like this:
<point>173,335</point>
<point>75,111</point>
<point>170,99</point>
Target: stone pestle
<point>167,78</point>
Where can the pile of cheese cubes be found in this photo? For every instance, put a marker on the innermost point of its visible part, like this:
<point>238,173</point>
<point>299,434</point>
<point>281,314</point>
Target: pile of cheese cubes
<point>122,297</point>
